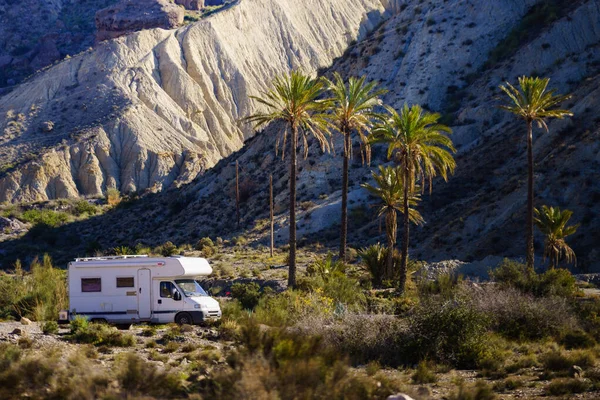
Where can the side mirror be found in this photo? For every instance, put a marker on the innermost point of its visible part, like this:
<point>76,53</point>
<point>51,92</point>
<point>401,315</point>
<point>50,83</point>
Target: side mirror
<point>177,296</point>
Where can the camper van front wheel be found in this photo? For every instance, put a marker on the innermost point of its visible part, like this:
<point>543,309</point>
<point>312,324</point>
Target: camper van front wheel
<point>184,319</point>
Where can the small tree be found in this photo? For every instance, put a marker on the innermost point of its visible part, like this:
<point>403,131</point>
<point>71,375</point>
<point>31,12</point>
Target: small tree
<point>533,103</point>
<point>422,149</point>
<point>390,190</point>
<point>552,222</point>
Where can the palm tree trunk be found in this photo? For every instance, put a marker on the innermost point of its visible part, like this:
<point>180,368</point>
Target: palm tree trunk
<point>237,192</point>
<point>390,228</point>
<point>404,261</point>
<point>293,162</point>
<point>344,228</point>
<point>530,249</point>
<point>271,213</point>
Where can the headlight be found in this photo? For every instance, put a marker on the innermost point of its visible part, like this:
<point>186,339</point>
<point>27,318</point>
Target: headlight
<point>197,306</point>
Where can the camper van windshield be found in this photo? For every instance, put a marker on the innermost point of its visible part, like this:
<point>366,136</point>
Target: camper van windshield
<point>190,287</point>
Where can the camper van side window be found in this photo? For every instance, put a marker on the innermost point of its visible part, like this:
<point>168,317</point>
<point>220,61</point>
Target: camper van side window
<point>91,285</point>
<point>125,282</point>
<point>167,289</point>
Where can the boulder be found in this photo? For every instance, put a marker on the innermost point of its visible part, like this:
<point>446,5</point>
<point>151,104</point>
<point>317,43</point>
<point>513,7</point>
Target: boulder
<point>8,225</point>
<point>191,4</point>
<point>47,126</point>
<point>25,321</point>
<point>399,396</point>
<point>135,15</point>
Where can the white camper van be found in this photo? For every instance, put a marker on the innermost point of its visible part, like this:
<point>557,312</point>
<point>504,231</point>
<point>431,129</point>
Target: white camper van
<point>127,289</point>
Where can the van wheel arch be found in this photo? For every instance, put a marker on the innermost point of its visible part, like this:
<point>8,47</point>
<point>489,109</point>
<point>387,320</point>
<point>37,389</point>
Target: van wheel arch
<point>184,318</point>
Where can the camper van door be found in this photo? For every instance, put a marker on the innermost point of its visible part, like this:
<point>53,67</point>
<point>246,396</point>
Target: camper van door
<point>144,294</point>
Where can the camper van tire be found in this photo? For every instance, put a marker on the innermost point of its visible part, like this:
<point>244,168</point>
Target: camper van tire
<point>184,319</point>
<point>123,327</point>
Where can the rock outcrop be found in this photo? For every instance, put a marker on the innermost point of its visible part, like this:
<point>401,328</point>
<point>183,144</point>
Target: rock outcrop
<point>155,108</point>
<point>191,4</point>
<point>135,15</point>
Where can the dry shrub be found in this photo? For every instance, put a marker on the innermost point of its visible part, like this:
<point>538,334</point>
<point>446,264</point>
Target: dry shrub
<point>521,316</point>
<point>292,365</point>
<point>38,295</point>
<point>363,337</point>
<point>565,386</point>
<point>137,376</point>
<point>45,375</point>
<point>561,362</point>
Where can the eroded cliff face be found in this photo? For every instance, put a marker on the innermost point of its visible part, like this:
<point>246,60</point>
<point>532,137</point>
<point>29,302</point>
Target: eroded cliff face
<point>155,108</point>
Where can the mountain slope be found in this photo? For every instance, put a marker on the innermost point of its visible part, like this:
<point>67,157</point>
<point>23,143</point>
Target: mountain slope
<point>158,107</point>
<point>480,211</point>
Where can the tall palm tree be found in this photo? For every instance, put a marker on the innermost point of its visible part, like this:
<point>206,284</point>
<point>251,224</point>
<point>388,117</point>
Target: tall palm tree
<point>294,101</point>
<point>552,222</point>
<point>423,150</point>
<point>390,189</point>
<point>352,111</point>
<point>533,103</point>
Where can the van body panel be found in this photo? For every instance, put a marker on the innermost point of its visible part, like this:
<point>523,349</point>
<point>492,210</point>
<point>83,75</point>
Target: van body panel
<point>144,294</point>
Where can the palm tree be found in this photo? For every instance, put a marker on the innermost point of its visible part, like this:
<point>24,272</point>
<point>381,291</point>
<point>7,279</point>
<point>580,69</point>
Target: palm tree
<point>353,106</point>
<point>552,222</point>
<point>294,101</point>
<point>390,189</point>
<point>417,142</point>
<point>533,103</point>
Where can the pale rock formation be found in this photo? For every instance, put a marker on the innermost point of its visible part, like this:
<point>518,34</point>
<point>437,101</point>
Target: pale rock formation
<point>156,108</point>
<point>134,15</point>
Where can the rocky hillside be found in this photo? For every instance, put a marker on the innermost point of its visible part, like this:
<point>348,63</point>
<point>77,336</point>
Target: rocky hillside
<point>37,33</point>
<point>155,108</point>
<point>451,57</point>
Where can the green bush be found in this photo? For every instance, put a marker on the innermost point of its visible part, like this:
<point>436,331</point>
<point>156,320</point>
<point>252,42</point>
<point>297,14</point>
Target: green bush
<point>248,294</point>
<point>167,249</point>
<point>291,306</point>
<point>342,289</point>
<point>450,332</point>
<point>50,328</point>
<point>48,218</point>
<point>554,282</point>
<point>84,207</point>
<point>207,247</point>
<point>99,334</point>
<point>577,339</point>
<point>373,259</point>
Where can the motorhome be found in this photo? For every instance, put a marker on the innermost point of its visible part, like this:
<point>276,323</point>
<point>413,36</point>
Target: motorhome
<point>128,289</point>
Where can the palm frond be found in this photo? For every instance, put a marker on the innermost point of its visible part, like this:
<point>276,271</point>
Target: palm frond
<point>296,100</point>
